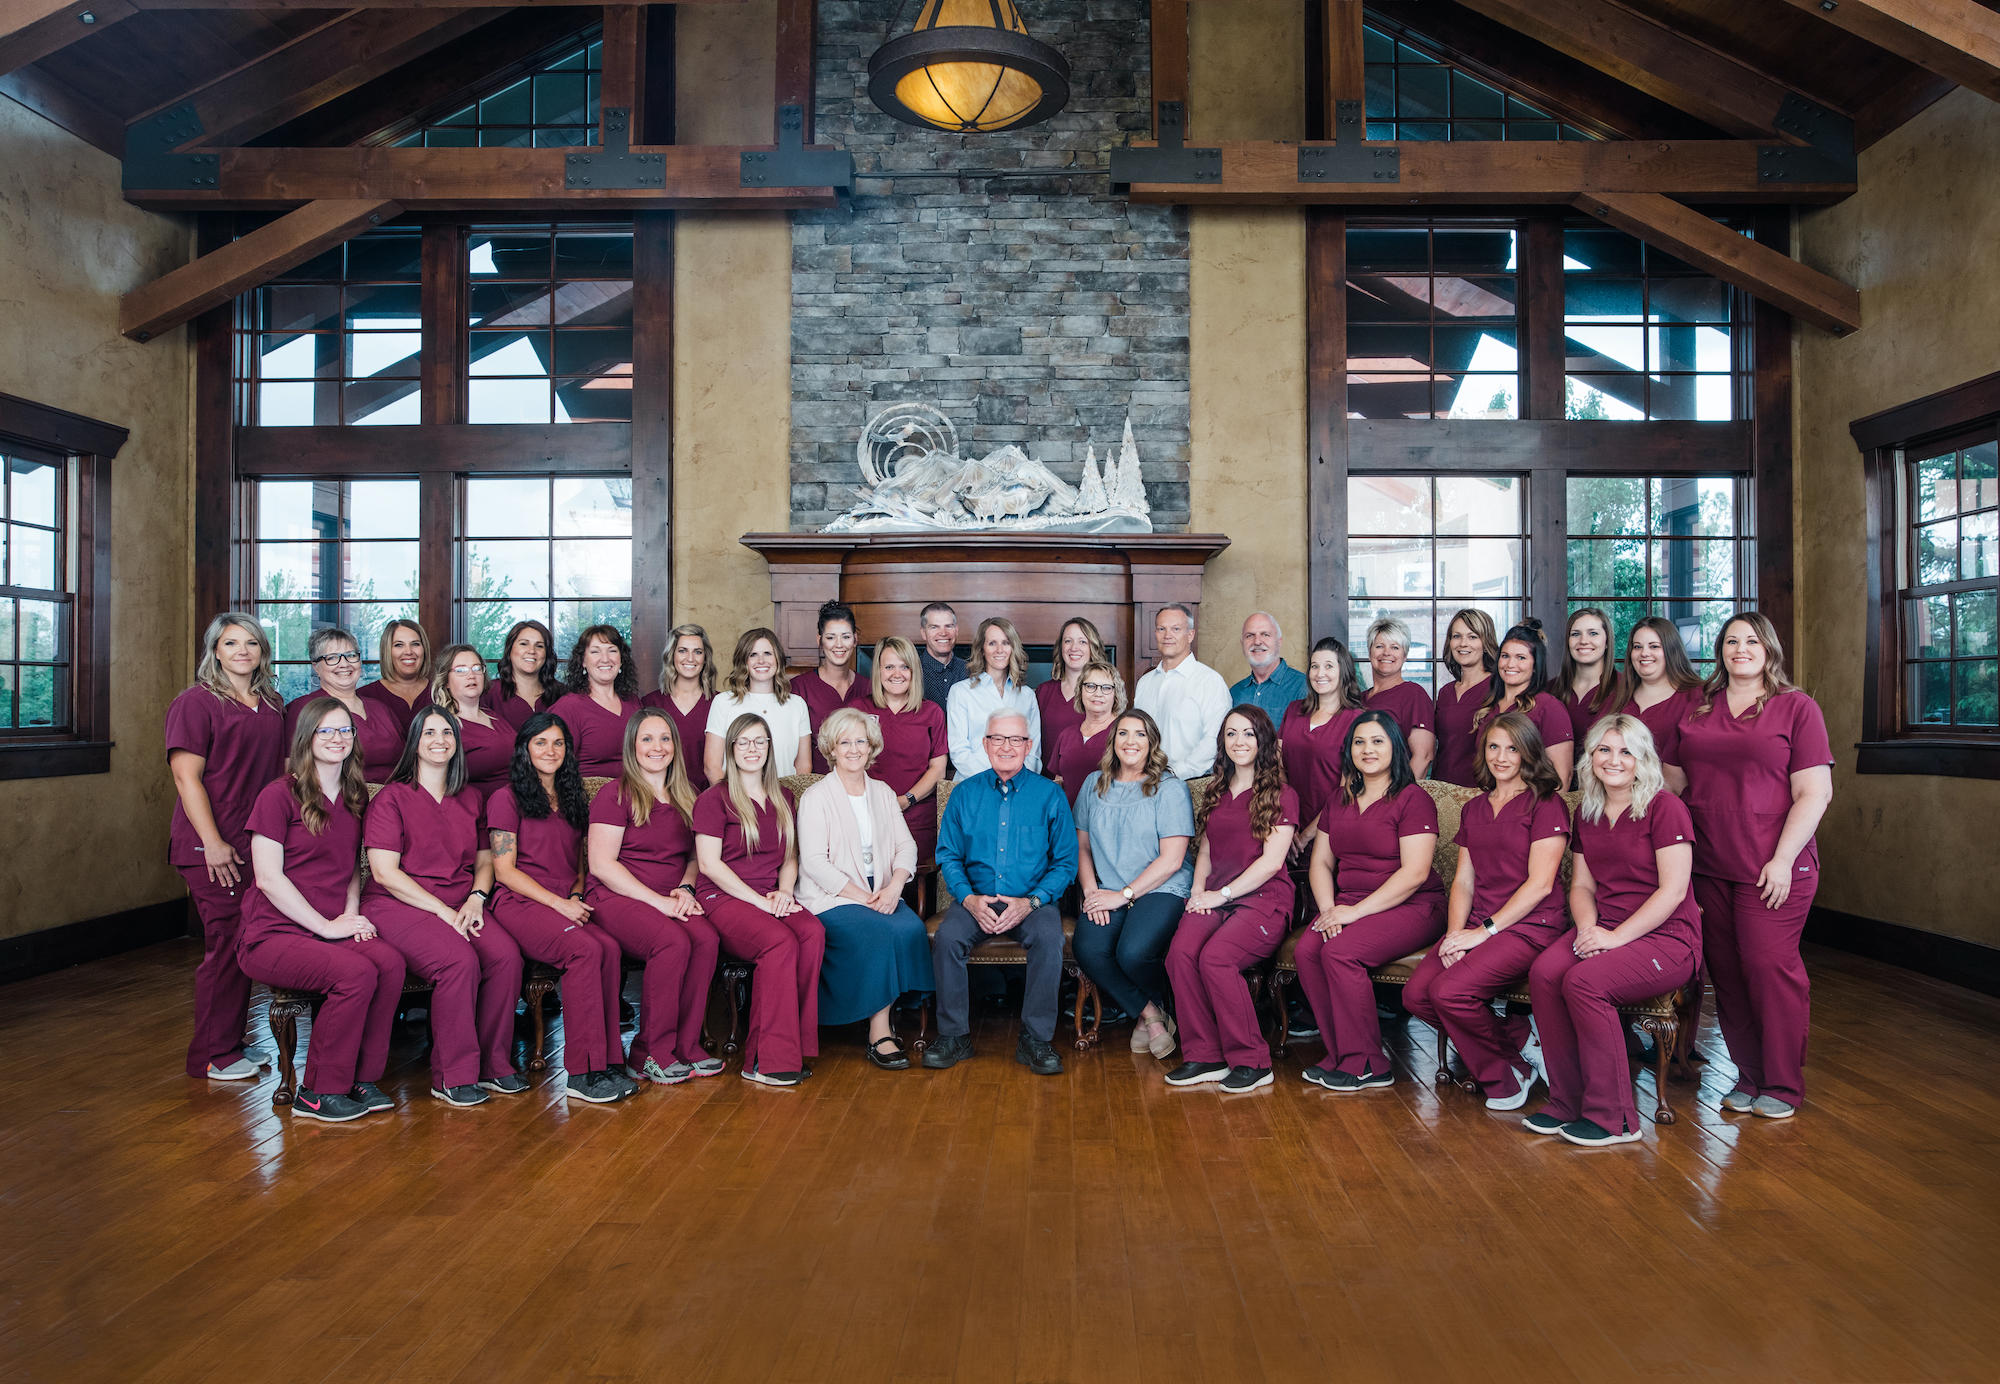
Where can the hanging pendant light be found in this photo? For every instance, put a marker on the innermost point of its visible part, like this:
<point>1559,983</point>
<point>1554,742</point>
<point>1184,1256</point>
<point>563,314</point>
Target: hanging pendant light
<point>969,67</point>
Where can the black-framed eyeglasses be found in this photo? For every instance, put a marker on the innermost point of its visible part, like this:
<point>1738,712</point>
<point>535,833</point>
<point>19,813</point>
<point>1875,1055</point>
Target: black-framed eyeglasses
<point>1009,740</point>
<point>1100,687</point>
<point>351,656</point>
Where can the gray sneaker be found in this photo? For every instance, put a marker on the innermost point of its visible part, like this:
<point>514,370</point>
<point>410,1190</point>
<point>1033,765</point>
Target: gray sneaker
<point>1739,1102</point>
<point>709,1066</point>
<point>1771,1108</point>
<point>663,1076</point>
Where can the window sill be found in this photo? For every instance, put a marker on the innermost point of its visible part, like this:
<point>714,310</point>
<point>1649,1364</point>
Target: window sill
<point>1975,759</point>
<point>53,758</point>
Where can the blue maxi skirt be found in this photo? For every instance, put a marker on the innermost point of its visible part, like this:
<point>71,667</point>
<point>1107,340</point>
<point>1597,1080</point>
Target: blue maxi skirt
<point>872,959</point>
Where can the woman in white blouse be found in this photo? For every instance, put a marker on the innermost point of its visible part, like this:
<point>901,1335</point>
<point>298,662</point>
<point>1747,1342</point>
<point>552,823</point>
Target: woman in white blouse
<point>757,684</point>
<point>855,855</point>
<point>1000,683</point>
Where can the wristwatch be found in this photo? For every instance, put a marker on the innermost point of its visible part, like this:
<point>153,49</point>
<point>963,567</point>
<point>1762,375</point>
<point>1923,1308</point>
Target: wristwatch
<point>1491,929</point>
<point>1226,895</point>
<point>1127,892</point>
<point>1034,901</point>
<point>482,894</point>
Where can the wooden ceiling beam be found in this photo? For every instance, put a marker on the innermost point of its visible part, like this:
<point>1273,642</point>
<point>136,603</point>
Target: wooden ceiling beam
<point>242,264</point>
<point>30,30</point>
<point>1958,39</point>
<point>1898,104</point>
<point>1169,34</point>
<point>63,106</point>
<point>1643,53</point>
<point>384,4</point>
<point>694,176</point>
<point>1762,272</point>
<point>1266,172</point>
<point>1346,75</point>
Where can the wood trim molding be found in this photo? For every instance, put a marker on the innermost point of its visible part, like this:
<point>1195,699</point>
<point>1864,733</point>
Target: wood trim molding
<point>58,429</point>
<point>31,954</point>
<point>1932,954</point>
<point>1945,411</point>
<point>444,447</point>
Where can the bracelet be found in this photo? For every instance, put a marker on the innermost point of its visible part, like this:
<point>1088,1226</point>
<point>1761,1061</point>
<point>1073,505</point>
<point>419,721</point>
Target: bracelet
<point>481,894</point>
<point>678,887</point>
<point>576,893</point>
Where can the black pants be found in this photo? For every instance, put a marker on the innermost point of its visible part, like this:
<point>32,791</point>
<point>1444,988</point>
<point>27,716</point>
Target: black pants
<point>1127,956</point>
<point>1040,933</point>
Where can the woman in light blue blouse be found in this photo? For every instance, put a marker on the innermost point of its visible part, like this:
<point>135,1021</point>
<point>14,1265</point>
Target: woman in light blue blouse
<point>1134,823</point>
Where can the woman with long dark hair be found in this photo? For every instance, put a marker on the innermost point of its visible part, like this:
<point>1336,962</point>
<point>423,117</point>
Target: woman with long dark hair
<point>1471,653</point>
<point>833,682</point>
<point>1661,687</point>
<point>529,679</point>
<point>1314,733</point>
<point>536,824</point>
<point>1379,898</point>
<point>1239,906</point>
<point>225,740</point>
<point>1588,682</point>
<point>1521,683</point>
<point>402,672</point>
<point>687,689</point>
<point>302,920</point>
<point>603,695</point>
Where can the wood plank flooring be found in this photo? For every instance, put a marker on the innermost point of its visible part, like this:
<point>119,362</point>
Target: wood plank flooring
<point>986,1224</point>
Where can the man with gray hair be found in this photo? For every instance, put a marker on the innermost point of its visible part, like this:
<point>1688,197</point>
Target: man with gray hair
<point>1183,695</point>
<point>1273,684</point>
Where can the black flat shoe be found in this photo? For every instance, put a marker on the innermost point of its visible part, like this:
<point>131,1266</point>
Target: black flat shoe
<point>896,1059</point>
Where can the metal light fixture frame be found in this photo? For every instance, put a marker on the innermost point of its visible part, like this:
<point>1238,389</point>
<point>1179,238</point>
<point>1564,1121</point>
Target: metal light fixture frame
<point>997,46</point>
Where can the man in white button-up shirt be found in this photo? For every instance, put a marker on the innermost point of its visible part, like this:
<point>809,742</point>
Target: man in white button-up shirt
<point>1186,697</point>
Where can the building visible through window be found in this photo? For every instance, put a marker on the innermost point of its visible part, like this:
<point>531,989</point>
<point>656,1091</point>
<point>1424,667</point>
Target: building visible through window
<point>36,614</point>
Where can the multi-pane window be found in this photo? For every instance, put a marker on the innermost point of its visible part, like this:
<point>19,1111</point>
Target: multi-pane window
<point>1421,548</point>
<point>1432,322</point>
<point>553,107</point>
<point>1950,585</point>
<point>1677,546</point>
<point>36,614</point>
<point>551,324</point>
<point>332,552</point>
<point>336,340</point>
<point>552,548</point>
<point>1415,94</point>
<point>1647,335</point>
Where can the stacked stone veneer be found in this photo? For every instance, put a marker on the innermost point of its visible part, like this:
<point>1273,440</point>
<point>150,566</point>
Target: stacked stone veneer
<point>1037,311</point>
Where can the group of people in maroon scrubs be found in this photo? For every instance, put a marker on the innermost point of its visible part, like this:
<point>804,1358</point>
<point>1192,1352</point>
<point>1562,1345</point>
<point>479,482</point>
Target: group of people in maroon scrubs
<point>1692,847</point>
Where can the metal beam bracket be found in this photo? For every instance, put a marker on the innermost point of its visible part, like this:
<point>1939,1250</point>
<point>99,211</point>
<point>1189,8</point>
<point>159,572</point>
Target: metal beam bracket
<point>1350,162</point>
<point>791,164</point>
<point>615,165</point>
<point>1827,156</point>
<point>1172,161</point>
<point>151,160</point>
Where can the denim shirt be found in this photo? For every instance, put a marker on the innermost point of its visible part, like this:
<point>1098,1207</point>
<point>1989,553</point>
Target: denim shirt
<point>1014,838</point>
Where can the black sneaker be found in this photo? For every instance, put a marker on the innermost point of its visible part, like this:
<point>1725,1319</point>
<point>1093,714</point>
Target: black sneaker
<point>467,1094</point>
<point>1038,1055</point>
<point>948,1051</point>
<point>1591,1134</point>
<point>1367,1081</point>
<point>506,1084</point>
<point>594,1088</point>
<point>772,1078</point>
<point>1197,1073</point>
<point>311,1105</point>
<point>626,1086</point>
<point>370,1095</point>
<point>1319,1076</point>
<point>1542,1122</point>
<point>1241,1079</point>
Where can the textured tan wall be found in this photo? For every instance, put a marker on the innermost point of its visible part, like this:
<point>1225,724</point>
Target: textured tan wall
<point>1918,240</point>
<point>81,847</point>
<point>1247,337</point>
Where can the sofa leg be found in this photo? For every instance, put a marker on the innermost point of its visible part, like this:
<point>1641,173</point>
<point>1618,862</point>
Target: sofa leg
<point>538,1038</point>
<point>924,1019</point>
<point>1666,1034</point>
<point>284,1020</point>
<point>1444,1060</point>
<point>1281,1001</point>
<point>1086,990</point>
<point>733,988</point>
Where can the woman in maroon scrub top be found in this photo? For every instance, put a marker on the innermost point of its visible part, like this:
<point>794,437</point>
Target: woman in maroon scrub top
<point>1506,905</point>
<point>1636,935</point>
<point>302,920</point>
<point>1079,747</point>
<point>1661,688</point>
<point>528,680</point>
<point>833,684</point>
<point>336,662</point>
<point>1379,898</point>
<point>536,824</point>
<point>1471,653</point>
<point>225,740</point>
<point>1315,731</point>
<point>1407,702</point>
<point>603,695</point>
<point>486,736</point>
<point>403,673</point>
<point>914,751</point>
<point>687,689</point>
<point>1239,906</point>
<point>746,842</point>
<point>1078,644</point>
<point>1521,683</point>
<point>1588,681</point>
<point>429,877</point>
<point>641,889</point>
<point>1760,775</point>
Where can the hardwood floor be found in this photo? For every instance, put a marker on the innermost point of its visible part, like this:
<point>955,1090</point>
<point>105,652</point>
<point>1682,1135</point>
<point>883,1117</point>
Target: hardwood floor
<point>987,1224</point>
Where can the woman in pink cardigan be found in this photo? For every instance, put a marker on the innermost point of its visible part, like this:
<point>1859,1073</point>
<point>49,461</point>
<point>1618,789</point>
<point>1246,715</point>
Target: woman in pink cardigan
<point>855,855</point>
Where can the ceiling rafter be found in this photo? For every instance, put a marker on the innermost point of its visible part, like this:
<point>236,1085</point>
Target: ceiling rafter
<point>30,30</point>
<point>1957,39</point>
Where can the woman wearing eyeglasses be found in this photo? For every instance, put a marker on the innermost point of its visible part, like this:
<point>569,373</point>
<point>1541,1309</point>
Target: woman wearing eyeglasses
<point>336,662</point>
<point>1078,750</point>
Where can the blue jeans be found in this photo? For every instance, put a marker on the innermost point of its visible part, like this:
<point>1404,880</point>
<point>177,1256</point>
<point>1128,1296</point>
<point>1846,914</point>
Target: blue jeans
<point>1127,957</point>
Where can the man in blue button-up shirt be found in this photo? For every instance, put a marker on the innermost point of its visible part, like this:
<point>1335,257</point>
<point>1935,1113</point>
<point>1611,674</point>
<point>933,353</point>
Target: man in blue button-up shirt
<point>1007,850</point>
<point>1273,684</point>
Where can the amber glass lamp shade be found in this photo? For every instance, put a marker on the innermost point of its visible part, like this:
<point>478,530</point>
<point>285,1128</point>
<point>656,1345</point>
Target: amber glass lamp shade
<point>969,67</point>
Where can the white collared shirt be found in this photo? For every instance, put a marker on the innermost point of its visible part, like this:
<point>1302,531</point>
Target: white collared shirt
<point>965,713</point>
<point>1189,703</point>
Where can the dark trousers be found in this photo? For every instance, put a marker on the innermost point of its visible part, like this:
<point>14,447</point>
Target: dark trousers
<point>1040,933</point>
<point>362,982</point>
<point>1127,956</point>
<point>1763,1001</point>
<point>221,990</point>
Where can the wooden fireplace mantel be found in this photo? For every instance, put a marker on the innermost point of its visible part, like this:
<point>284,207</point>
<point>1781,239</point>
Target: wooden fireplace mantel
<point>1118,581</point>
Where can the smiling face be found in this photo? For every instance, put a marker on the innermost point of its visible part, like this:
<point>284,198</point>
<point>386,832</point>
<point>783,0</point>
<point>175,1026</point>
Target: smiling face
<point>762,664</point>
<point>1648,654</point>
<point>1616,766</point>
<point>547,749</point>
<point>1099,693</point>
<point>751,751</point>
<point>1743,652</point>
<point>836,643</point>
<point>1260,642</point>
<point>896,674</point>
<point>1503,758</point>
<point>1076,649</point>
<point>653,746</point>
<point>851,752</point>
<point>1372,749</point>
<point>999,651</point>
<point>1587,641</point>
<point>333,738</point>
<point>1133,745</point>
<point>689,657</point>
<point>1323,672</point>
<point>1239,740</point>
<point>339,668</point>
<point>1007,744</point>
<point>527,654</point>
<point>940,633</point>
<point>466,678</point>
<point>1173,633</point>
<point>406,653</point>
<point>603,661</point>
<point>1517,665</point>
<point>436,743</point>
<point>1463,641</point>
<point>1386,654</point>
<point>239,650</point>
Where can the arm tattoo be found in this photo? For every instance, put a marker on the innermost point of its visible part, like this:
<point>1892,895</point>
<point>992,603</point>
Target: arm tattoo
<point>503,843</point>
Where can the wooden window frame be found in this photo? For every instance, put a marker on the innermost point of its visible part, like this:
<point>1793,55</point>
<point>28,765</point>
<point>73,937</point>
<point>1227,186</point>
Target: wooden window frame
<point>41,433</point>
<point>1887,745</point>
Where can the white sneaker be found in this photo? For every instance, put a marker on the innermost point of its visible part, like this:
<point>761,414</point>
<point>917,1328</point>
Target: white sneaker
<point>1531,1053</point>
<point>242,1069</point>
<point>1526,1080</point>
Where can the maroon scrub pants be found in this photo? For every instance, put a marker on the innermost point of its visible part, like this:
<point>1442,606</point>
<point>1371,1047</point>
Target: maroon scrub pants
<point>362,982</point>
<point>588,958</point>
<point>1763,1000</point>
<point>673,989</point>
<point>1205,965</point>
<point>476,986</point>
<point>1458,1001</point>
<point>221,990</point>
<point>1334,973</point>
<point>1583,1038</point>
<point>784,994</point>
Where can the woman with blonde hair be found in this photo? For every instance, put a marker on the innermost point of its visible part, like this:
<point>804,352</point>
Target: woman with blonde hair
<point>998,682</point>
<point>485,735</point>
<point>1471,653</point>
<point>1059,698</point>
<point>757,686</point>
<point>687,690</point>
<point>1390,691</point>
<point>402,672</point>
<point>746,845</point>
<point>1082,745</point>
<point>225,740</point>
<point>914,753</point>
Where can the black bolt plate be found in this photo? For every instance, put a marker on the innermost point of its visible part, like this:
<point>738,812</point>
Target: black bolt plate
<point>791,164</point>
<point>1350,162</point>
<point>150,160</point>
<point>1827,156</point>
<point>615,165</point>
<point>1172,161</point>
